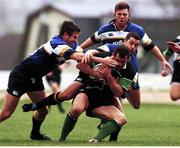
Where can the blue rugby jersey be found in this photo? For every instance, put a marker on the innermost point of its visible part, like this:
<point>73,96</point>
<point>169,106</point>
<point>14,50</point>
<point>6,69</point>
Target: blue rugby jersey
<point>109,33</point>
<point>111,48</point>
<point>55,52</point>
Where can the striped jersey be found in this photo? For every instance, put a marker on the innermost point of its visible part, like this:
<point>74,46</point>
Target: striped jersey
<point>112,47</point>
<point>53,53</point>
<point>109,33</point>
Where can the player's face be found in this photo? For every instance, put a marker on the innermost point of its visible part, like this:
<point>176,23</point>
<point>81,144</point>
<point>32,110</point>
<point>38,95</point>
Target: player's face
<point>122,17</point>
<point>121,61</point>
<point>132,44</point>
<point>70,39</point>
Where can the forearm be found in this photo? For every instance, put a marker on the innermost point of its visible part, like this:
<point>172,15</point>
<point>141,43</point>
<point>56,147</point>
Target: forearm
<point>85,68</point>
<point>87,43</point>
<point>156,51</point>
<point>114,85</point>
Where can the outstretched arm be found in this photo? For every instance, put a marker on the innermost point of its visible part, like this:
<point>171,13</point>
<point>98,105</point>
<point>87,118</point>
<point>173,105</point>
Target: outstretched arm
<point>108,61</point>
<point>165,65</point>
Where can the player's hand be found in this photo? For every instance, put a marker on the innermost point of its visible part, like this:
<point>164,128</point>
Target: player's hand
<point>167,69</point>
<point>174,46</point>
<point>110,62</point>
<point>87,57</point>
<point>104,70</point>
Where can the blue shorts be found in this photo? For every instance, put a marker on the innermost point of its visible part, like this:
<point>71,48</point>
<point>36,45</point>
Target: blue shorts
<point>19,84</point>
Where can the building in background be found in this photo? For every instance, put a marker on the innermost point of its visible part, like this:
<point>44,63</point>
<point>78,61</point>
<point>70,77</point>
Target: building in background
<point>37,20</point>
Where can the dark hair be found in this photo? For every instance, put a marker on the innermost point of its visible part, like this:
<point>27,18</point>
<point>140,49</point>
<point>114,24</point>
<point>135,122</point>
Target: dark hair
<point>68,27</point>
<point>132,34</point>
<point>123,51</point>
<point>122,5</point>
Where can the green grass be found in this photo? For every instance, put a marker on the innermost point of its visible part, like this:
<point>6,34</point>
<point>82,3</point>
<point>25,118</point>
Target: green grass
<point>152,125</point>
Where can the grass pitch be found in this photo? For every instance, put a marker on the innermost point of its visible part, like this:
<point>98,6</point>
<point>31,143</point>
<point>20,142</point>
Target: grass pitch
<point>152,125</point>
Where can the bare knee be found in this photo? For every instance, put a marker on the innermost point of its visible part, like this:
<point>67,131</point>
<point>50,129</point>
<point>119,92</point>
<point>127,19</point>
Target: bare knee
<point>174,97</point>
<point>121,118</point>
<point>76,111</point>
<point>64,96</point>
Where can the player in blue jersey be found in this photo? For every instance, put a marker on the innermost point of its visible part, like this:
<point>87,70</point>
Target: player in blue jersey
<point>132,42</point>
<point>99,96</point>
<point>174,49</point>
<point>27,76</point>
<point>116,31</point>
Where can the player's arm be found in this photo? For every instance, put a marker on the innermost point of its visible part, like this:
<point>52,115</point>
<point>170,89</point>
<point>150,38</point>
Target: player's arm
<point>85,68</point>
<point>166,66</point>
<point>173,46</point>
<point>110,80</point>
<point>91,40</point>
<point>87,43</point>
<point>148,44</point>
<point>107,61</point>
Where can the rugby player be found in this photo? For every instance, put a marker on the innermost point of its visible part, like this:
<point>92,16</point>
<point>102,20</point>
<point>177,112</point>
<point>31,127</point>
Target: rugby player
<point>27,76</point>
<point>132,41</point>
<point>116,31</point>
<point>99,96</point>
<point>174,49</point>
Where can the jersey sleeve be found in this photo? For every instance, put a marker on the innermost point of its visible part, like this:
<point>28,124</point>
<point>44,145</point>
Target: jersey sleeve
<point>147,43</point>
<point>108,48</point>
<point>61,50</point>
<point>97,36</point>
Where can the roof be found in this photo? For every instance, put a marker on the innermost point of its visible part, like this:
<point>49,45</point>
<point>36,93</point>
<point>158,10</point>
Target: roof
<point>140,9</point>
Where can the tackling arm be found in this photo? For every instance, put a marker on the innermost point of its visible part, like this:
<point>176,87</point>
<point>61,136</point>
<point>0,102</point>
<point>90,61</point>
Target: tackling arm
<point>85,68</point>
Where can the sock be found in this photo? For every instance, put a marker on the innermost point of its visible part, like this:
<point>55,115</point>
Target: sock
<point>102,123</point>
<point>109,128</point>
<point>68,126</point>
<point>36,124</point>
<point>47,101</point>
<point>114,136</point>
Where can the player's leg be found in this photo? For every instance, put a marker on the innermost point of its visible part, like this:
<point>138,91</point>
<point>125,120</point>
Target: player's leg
<point>38,115</point>
<point>16,88</point>
<point>55,98</point>
<point>175,82</point>
<point>9,106</point>
<point>134,98</point>
<point>117,104</point>
<point>175,91</point>
<point>116,120</point>
<point>80,104</point>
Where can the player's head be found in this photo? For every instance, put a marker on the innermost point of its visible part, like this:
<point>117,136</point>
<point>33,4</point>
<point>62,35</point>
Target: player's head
<point>132,41</point>
<point>69,31</point>
<point>121,55</point>
<point>122,13</point>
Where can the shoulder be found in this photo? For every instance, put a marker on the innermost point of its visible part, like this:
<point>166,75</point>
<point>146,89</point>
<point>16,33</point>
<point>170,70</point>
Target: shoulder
<point>132,27</point>
<point>56,40</point>
<point>106,28</point>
